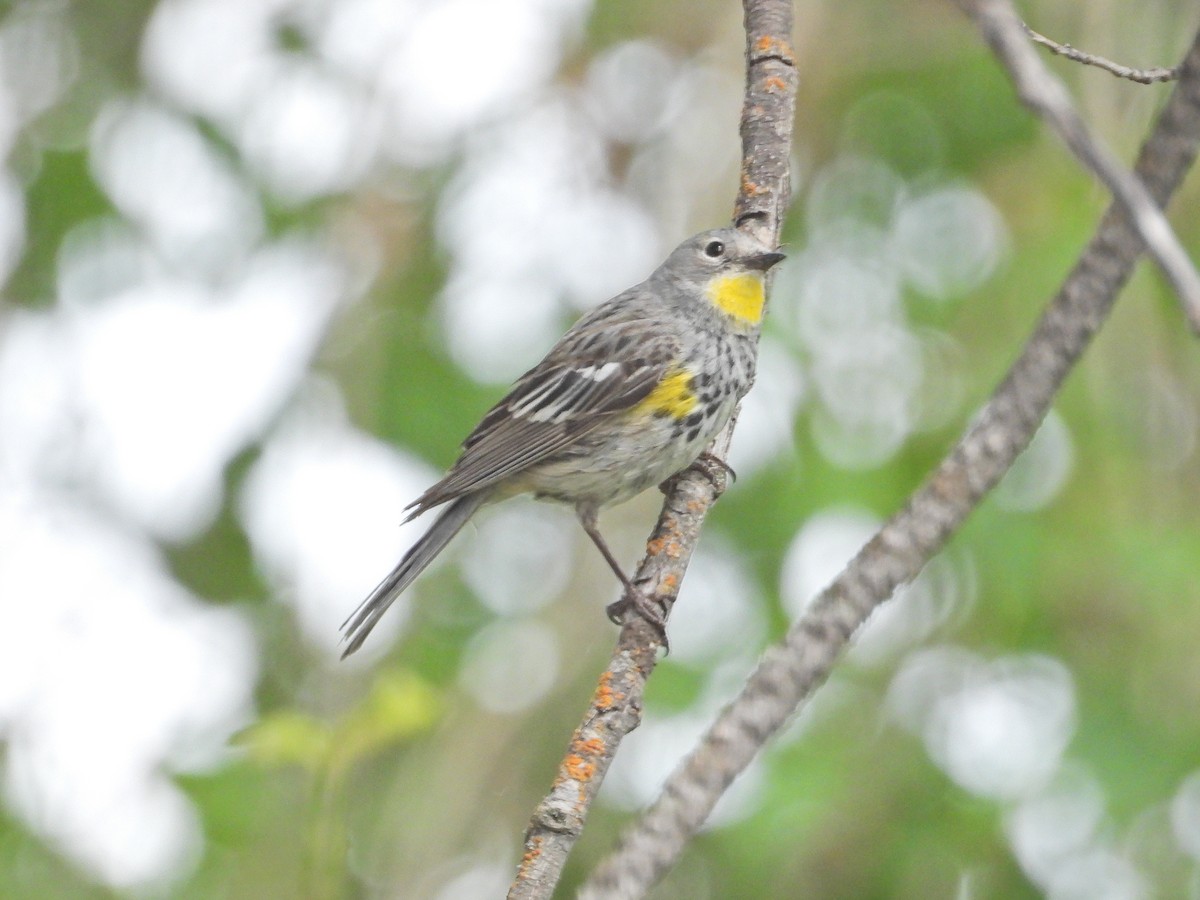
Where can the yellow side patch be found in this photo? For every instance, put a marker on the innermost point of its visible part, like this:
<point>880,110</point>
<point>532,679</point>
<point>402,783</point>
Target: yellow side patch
<point>672,396</point>
<point>739,296</point>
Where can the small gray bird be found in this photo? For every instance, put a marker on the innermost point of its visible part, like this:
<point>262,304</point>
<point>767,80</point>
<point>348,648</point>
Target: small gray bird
<point>630,396</point>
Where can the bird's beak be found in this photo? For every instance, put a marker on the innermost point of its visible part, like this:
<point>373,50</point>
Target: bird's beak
<point>763,261</point>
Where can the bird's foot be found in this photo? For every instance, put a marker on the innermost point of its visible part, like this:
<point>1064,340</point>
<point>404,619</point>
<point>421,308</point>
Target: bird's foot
<point>707,464</point>
<point>636,600</point>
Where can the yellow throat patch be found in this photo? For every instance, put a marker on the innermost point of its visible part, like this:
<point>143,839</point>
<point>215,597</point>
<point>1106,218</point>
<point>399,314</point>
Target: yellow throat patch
<point>739,296</point>
<point>671,397</point>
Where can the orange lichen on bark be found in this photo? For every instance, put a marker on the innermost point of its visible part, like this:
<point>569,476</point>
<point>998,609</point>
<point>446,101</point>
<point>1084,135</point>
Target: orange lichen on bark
<point>580,763</point>
<point>749,188</point>
<point>606,698</point>
<point>534,851</point>
<point>775,85</point>
<point>579,768</point>
<point>590,747</point>
<point>654,546</point>
<point>771,46</point>
<point>670,582</point>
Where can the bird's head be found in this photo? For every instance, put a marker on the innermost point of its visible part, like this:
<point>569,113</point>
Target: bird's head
<point>723,269</point>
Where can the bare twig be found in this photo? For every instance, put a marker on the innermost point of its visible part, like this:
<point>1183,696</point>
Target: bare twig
<point>1141,76</point>
<point>789,672</point>
<point>616,706</point>
<point>1042,92</point>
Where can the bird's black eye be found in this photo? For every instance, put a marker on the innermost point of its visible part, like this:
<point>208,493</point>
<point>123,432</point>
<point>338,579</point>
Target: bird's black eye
<point>714,249</point>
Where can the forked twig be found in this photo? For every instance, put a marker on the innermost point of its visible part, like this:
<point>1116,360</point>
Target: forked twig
<point>1042,92</point>
<point>1066,51</point>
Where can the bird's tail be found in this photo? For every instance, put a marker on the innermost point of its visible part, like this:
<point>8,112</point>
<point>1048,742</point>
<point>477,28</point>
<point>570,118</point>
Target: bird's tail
<point>447,525</point>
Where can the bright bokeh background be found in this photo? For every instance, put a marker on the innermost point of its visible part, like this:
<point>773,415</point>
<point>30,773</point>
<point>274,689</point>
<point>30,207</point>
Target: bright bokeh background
<point>266,262</point>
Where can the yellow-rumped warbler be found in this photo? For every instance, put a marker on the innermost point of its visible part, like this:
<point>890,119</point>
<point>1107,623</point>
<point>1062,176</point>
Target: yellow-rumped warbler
<point>630,396</point>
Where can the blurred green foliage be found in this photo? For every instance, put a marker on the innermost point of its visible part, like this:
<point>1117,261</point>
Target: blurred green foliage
<point>1104,579</point>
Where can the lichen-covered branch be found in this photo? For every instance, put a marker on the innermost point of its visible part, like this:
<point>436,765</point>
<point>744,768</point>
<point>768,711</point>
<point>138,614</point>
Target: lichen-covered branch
<point>616,706</point>
<point>792,670</point>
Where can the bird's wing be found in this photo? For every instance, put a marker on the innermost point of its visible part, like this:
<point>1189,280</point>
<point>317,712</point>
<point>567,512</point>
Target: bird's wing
<point>599,369</point>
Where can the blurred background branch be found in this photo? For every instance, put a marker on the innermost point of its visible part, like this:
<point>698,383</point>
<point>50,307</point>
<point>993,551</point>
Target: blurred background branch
<point>1048,97</point>
<point>1141,76</point>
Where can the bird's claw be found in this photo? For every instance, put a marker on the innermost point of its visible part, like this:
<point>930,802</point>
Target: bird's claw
<point>638,601</point>
<point>707,462</point>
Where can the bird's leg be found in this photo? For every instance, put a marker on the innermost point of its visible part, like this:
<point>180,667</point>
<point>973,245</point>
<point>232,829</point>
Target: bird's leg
<point>634,596</point>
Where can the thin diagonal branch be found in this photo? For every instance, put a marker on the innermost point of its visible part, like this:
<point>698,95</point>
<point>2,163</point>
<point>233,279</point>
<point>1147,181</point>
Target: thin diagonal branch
<point>616,706</point>
<point>1141,76</point>
<point>792,670</point>
<point>1042,92</point>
